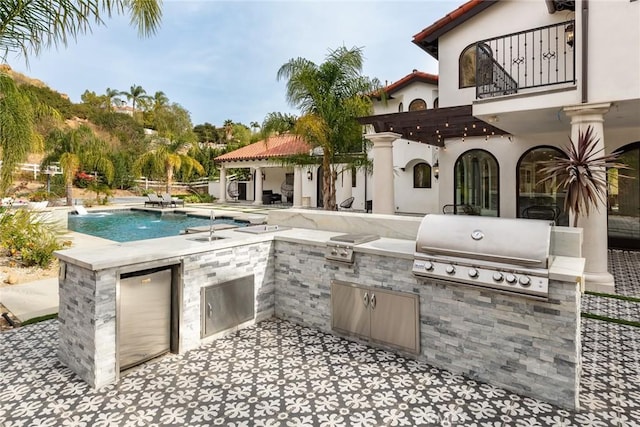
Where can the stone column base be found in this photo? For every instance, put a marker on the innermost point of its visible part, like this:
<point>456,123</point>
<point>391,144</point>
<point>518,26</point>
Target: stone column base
<point>599,282</point>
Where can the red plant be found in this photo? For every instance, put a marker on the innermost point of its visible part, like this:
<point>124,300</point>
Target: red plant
<point>583,173</point>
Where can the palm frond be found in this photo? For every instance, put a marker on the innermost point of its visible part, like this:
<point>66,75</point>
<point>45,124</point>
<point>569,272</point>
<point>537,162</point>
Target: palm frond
<point>582,173</point>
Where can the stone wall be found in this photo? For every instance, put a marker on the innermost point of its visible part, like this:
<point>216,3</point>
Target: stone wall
<point>87,313</point>
<point>87,319</point>
<point>211,268</point>
<point>526,346</point>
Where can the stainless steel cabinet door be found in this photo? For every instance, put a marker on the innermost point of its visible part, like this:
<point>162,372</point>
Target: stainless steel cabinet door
<point>350,309</point>
<point>144,317</point>
<point>394,319</point>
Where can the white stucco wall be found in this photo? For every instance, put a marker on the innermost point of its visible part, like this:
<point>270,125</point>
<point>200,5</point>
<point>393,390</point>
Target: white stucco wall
<point>614,50</point>
<point>504,17</point>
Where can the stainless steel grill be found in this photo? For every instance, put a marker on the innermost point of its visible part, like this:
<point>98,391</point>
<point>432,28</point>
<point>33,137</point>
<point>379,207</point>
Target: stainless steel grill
<point>505,254</point>
<point>340,248</point>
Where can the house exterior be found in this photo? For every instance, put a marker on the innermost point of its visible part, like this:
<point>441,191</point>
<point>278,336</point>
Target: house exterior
<point>267,172</point>
<point>517,78</point>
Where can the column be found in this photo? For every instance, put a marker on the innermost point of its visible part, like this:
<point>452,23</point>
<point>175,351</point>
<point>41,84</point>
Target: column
<point>297,187</point>
<point>594,243</point>
<point>383,196</point>
<point>223,184</point>
<point>257,198</point>
<point>347,189</point>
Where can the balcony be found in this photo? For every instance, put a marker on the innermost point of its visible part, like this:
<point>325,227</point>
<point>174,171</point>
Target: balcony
<point>528,60</point>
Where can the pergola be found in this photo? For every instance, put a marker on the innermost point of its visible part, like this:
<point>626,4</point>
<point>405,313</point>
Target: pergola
<point>433,126</point>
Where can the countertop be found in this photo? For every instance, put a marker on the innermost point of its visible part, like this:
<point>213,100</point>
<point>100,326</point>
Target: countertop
<point>115,255</point>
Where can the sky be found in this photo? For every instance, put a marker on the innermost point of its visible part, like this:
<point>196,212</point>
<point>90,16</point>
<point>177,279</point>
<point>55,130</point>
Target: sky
<point>219,59</point>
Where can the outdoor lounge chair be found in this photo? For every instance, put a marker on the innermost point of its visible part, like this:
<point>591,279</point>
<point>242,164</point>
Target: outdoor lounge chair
<point>167,200</point>
<point>154,200</point>
<point>346,205</point>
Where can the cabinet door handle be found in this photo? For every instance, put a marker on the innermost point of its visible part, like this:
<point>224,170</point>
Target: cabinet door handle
<point>373,301</point>
<point>365,299</point>
<point>209,310</point>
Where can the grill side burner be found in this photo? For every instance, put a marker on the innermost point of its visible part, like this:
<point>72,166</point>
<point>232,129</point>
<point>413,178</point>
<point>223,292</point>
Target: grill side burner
<point>340,248</point>
<point>505,254</point>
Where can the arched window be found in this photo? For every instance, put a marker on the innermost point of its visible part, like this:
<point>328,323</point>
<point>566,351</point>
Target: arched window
<point>436,102</point>
<point>417,104</point>
<point>538,198</point>
<point>476,183</point>
<point>400,108</point>
<point>467,66</point>
<point>422,176</point>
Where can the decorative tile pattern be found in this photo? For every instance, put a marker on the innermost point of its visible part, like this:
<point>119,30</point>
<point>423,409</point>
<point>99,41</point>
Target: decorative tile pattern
<point>281,374</point>
<point>611,307</point>
<point>625,267</point>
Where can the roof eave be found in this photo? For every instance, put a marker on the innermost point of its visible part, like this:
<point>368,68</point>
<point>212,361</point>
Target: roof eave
<point>427,39</point>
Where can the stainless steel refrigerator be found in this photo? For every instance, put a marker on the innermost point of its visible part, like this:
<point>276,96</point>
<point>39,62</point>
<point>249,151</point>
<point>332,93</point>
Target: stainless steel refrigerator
<point>144,324</point>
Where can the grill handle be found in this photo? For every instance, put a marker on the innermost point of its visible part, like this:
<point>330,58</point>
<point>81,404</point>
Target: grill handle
<point>486,257</point>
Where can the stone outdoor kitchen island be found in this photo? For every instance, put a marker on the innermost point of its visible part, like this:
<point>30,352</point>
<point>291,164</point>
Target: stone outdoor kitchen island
<point>527,346</point>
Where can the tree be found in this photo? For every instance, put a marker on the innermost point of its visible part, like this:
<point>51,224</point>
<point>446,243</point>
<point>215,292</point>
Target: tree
<point>228,129</point>
<point>207,133</point>
<point>331,96</point>
<point>75,149</point>
<point>254,126</point>
<point>29,26</point>
<point>582,173</point>
<point>136,94</point>
<point>17,134</point>
<point>111,97</point>
<point>278,123</point>
<point>166,159</point>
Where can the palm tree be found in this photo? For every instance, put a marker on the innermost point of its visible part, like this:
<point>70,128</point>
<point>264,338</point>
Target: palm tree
<point>136,94</point>
<point>111,97</point>
<point>17,133</point>
<point>330,95</point>
<point>254,126</point>
<point>159,100</point>
<point>278,123</point>
<point>75,149</point>
<point>165,160</point>
<point>29,26</point>
<point>228,129</point>
<point>582,173</point>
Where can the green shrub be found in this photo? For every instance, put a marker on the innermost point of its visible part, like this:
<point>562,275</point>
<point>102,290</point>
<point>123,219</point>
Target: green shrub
<point>28,238</point>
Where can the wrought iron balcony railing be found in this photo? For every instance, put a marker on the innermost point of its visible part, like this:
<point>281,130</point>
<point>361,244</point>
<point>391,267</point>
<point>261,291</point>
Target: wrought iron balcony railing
<point>534,58</point>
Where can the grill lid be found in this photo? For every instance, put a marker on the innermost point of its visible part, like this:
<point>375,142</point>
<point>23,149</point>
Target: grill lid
<point>522,242</point>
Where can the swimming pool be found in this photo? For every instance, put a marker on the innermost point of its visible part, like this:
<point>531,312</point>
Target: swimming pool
<point>130,225</point>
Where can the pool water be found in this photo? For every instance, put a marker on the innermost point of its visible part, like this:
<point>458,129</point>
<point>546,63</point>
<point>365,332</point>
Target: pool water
<point>128,225</point>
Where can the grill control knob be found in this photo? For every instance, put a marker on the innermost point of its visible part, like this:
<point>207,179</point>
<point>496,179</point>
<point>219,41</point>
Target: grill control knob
<point>510,278</point>
<point>334,252</point>
<point>525,281</point>
<point>428,265</point>
<point>473,273</point>
<point>343,253</point>
<point>498,277</point>
<point>450,269</point>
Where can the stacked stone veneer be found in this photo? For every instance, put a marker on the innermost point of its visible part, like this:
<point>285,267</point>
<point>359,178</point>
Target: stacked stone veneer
<point>87,312</point>
<point>526,346</point>
<point>211,268</point>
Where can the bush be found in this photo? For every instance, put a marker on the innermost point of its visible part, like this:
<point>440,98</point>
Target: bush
<point>28,238</point>
<point>83,180</point>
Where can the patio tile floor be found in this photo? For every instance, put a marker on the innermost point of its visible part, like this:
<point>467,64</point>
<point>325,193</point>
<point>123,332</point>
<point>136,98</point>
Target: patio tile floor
<point>280,374</point>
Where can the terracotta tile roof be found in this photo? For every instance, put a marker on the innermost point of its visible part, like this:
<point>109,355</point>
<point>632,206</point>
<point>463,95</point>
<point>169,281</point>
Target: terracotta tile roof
<point>274,146</point>
<point>427,39</point>
<point>415,76</point>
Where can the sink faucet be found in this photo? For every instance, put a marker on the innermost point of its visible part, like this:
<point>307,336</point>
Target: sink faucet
<point>212,218</point>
